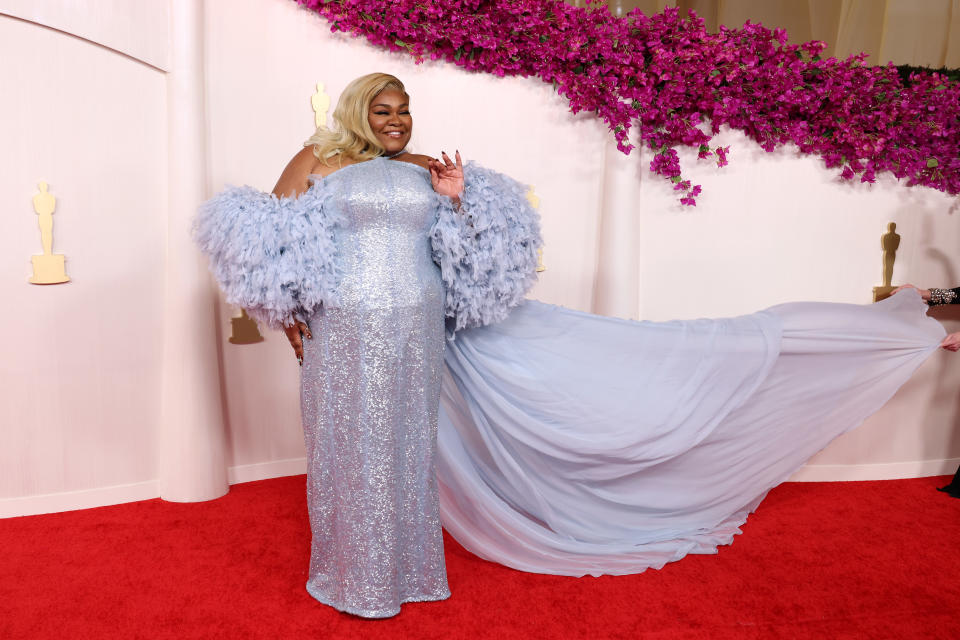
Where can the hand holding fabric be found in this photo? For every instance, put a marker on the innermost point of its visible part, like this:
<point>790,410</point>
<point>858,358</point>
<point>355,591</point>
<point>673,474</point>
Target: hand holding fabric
<point>924,293</point>
<point>951,342</point>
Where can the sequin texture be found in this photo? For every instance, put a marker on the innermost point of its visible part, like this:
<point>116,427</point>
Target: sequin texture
<point>370,393</point>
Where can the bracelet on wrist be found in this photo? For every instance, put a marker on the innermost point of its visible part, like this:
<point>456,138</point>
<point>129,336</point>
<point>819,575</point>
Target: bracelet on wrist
<point>941,296</point>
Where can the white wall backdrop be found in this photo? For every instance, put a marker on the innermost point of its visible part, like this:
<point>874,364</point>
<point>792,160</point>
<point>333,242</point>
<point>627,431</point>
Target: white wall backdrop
<point>81,361</point>
<point>81,378</point>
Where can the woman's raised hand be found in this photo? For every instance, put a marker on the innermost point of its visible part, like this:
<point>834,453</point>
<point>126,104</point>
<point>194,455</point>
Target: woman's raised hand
<point>295,334</point>
<point>447,176</point>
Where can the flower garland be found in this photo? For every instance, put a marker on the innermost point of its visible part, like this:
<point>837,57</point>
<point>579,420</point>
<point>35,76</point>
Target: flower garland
<point>679,84</point>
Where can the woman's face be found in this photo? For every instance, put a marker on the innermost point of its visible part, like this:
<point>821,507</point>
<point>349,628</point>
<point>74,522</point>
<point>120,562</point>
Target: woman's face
<point>390,120</point>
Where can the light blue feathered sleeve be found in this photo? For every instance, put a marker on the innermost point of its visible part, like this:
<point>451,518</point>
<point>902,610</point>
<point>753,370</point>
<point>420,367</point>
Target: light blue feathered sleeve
<point>275,257</point>
<point>487,251</point>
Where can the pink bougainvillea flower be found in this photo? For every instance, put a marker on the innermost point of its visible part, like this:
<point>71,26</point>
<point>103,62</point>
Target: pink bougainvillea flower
<point>677,84</point>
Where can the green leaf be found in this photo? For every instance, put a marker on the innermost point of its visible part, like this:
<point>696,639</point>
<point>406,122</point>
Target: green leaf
<point>675,179</point>
<point>544,38</point>
<point>578,68</point>
<point>715,73</point>
<point>458,53</point>
<point>636,105</point>
<point>932,163</point>
<point>399,43</point>
<point>940,87</point>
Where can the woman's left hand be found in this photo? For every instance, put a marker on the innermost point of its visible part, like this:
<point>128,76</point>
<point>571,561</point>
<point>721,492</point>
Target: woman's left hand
<point>447,176</point>
<point>951,342</point>
<point>924,293</point>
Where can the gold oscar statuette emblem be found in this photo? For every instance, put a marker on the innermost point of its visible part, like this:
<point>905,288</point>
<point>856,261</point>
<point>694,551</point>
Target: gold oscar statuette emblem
<point>535,203</point>
<point>243,329</point>
<point>321,105</point>
<point>47,268</point>
<point>889,242</point>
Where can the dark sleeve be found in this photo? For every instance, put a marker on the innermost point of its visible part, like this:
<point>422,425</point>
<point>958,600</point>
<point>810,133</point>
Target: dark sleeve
<point>944,296</point>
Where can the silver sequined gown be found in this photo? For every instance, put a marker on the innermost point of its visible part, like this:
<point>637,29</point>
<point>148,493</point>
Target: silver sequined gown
<point>370,393</point>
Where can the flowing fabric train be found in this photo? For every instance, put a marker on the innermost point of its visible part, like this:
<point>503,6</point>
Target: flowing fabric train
<point>576,444</point>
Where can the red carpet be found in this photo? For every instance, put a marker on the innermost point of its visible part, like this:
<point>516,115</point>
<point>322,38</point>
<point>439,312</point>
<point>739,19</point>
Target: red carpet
<point>832,560</point>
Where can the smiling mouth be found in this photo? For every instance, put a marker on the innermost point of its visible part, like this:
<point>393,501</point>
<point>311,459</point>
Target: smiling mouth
<point>394,134</point>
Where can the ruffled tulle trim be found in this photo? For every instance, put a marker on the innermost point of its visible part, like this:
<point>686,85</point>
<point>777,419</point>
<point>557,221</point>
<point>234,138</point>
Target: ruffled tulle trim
<point>275,257</point>
<point>487,251</point>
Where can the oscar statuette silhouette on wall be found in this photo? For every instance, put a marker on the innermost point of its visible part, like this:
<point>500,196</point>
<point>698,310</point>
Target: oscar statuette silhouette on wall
<point>535,203</point>
<point>49,267</point>
<point>889,242</point>
<point>321,105</point>
<point>243,329</point>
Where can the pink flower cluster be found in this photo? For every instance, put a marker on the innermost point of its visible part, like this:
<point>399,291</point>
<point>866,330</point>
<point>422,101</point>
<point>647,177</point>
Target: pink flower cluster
<point>678,84</point>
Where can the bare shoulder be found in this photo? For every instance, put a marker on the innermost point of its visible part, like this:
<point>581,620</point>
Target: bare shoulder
<point>417,159</point>
<point>295,177</point>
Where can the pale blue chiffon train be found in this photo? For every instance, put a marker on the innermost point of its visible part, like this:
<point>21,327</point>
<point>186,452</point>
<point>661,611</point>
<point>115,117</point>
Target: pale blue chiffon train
<point>576,444</point>
<point>567,443</point>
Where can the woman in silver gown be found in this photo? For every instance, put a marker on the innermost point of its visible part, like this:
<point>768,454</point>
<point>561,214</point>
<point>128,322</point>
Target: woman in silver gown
<point>564,442</point>
<point>370,387</point>
<point>359,255</point>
